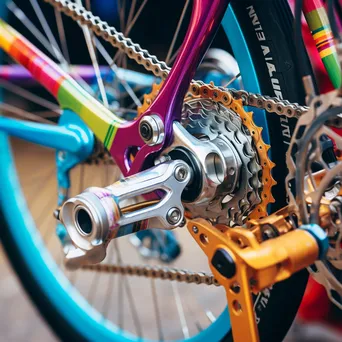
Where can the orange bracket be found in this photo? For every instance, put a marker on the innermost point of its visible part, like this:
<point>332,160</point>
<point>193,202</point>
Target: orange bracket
<point>244,265</point>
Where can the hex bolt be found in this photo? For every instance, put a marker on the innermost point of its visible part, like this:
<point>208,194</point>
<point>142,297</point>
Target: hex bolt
<point>195,229</point>
<point>173,216</point>
<point>181,173</point>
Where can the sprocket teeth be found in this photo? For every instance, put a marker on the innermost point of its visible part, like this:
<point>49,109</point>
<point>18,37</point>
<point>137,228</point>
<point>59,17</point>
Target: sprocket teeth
<point>236,105</point>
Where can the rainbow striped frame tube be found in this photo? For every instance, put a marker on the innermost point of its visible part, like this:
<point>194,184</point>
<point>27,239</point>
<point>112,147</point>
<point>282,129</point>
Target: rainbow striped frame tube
<point>69,94</point>
<point>317,19</point>
<point>120,136</point>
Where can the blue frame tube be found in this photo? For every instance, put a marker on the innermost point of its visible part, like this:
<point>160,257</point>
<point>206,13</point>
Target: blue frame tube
<point>68,138</point>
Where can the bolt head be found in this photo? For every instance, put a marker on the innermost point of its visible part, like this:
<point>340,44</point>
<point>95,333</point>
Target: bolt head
<point>195,229</point>
<point>174,215</point>
<point>146,131</point>
<point>181,173</point>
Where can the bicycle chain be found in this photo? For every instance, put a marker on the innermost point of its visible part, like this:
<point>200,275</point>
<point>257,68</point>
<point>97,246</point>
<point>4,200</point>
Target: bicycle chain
<point>160,272</point>
<point>160,69</point>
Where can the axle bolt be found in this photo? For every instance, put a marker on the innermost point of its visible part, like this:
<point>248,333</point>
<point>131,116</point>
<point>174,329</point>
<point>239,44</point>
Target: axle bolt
<point>146,131</point>
<point>174,215</point>
<point>151,129</point>
<point>181,173</point>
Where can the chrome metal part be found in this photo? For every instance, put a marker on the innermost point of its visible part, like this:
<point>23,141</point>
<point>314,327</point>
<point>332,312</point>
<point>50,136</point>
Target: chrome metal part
<point>212,163</point>
<point>181,173</point>
<point>226,155</point>
<point>174,215</point>
<point>97,215</point>
<point>151,129</point>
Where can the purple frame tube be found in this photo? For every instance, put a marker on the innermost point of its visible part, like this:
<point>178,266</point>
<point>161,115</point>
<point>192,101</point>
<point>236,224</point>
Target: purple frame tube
<point>205,19</point>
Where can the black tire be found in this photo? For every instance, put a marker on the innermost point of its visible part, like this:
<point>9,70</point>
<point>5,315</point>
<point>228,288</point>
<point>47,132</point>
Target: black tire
<point>277,314</point>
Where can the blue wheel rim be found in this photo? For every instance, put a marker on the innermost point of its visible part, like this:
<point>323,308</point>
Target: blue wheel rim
<point>68,301</point>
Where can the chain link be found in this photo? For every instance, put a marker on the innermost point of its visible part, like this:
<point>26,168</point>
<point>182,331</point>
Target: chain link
<point>160,272</point>
<point>160,69</point>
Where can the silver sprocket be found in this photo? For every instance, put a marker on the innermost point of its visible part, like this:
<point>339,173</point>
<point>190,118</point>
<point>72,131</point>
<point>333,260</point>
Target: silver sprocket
<point>204,117</point>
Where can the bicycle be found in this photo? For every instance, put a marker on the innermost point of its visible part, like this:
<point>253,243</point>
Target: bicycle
<point>191,150</point>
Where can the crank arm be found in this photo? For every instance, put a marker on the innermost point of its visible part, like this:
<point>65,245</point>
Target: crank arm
<point>98,215</point>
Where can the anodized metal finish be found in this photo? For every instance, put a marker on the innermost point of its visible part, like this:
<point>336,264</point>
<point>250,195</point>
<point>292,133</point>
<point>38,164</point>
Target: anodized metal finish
<point>205,19</point>
<point>257,265</point>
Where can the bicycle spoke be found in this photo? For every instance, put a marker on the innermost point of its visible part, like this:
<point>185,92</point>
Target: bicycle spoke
<point>110,287</point>
<point>45,43</point>
<point>28,95</point>
<point>130,14</point>
<point>208,314</point>
<point>61,33</point>
<point>156,310</point>
<point>48,32</point>
<point>232,80</point>
<point>47,114</point>
<point>93,287</point>
<point>127,286</point>
<point>130,26</point>
<point>115,69</point>
<point>20,15</point>
<point>174,56</point>
<point>88,36</point>
<point>21,113</point>
<point>175,36</point>
<point>180,310</point>
<point>193,315</point>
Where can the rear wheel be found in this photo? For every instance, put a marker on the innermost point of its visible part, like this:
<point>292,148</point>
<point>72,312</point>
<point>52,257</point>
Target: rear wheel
<point>72,316</point>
